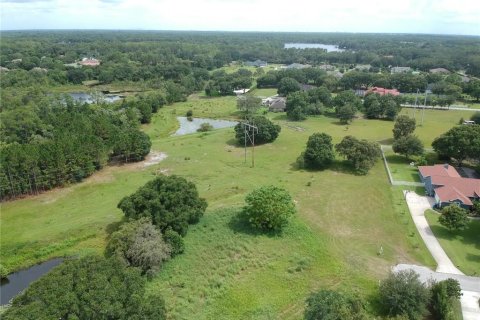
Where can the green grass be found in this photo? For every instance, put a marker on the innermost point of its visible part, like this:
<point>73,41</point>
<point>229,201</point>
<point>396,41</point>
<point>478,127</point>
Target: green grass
<point>462,247</point>
<point>227,271</point>
<point>263,93</point>
<point>400,167</point>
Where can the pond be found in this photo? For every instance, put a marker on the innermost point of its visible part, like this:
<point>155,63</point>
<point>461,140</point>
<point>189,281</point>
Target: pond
<point>328,47</point>
<point>86,97</point>
<point>187,126</point>
<point>20,280</point>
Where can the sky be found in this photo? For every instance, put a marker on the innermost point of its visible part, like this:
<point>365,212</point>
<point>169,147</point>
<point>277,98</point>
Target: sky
<point>400,16</point>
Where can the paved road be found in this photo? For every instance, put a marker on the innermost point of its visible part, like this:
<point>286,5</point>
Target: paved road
<point>440,108</point>
<point>470,287</point>
<point>418,205</point>
<point>445,269</point>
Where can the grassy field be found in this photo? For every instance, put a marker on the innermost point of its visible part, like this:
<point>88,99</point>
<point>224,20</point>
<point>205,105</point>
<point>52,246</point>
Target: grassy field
<point>463,247</point>
<point>228,271</point>
<point>400,167</point>
<point>263,93</point>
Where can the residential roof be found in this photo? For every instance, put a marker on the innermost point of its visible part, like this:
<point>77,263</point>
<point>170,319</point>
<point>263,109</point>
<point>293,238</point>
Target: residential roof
<point>450,186</point>
<point>443,170</point>
<point>298,66</point>
<point>439,70</point>
<point>456,189</point>
<point>306,87</point>
<point>383,91</point>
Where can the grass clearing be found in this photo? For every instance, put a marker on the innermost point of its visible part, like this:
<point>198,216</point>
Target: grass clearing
<point>462,247</point>
<point>263,93</point>
<point>228,272</point>
<point>400,167</point>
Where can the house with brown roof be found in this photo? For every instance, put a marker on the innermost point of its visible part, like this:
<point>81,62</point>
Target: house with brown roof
<point>445,184</point>
<point>382,91</point>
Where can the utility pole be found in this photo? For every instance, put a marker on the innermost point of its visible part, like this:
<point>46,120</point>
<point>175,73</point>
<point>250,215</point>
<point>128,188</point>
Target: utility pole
<point>415,108</point>
<point>247,129</point>
<point>424,106</point>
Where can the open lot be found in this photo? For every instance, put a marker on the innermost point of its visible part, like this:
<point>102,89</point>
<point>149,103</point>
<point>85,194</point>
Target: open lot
<point>227,271</point>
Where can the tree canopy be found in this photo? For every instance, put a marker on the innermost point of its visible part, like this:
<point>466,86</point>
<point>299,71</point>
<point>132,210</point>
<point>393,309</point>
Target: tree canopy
<point>408,146</point>
<point>332,305</point>
<point>319,151</point>
<point>361,153</point>
<point>460,142</point>
<point>87,288</point>
<point>404,126</point>
<point>454,217</point>
<point>268,208</point>
<point>167,201</point>
<point>267,131</point>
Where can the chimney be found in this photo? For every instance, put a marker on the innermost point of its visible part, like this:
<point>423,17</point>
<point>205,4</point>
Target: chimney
<point>445,166</point>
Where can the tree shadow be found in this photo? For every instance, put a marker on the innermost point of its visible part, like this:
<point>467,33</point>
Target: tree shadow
<point>388,141</point>
<point>344,166</point>
<point>114,226</point>
<point>281,116</point>
<point>233,143</point>
<point>239,225</point>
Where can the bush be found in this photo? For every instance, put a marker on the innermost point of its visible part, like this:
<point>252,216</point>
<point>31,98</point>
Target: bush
<point>319,151</point>
<point>402,293</point>
<point>189,114</point>
<point>454,217</point>
<point>268,208</point>
<point>331,305</point>
<point>139,244</point>
<point>267,131</point>
<point>361,153</point>
<point>204,127</point>
<point>3,272</point>
<point>168,201</point>
<point>175,241</point>
<point>88,288</point>
<point>444,295</point>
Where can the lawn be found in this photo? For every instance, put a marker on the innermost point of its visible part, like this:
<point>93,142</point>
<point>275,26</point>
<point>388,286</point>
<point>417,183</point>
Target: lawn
<point>227,271</point>
<point>263,93</point>
<point>462,247</point>
<point>400,167</point>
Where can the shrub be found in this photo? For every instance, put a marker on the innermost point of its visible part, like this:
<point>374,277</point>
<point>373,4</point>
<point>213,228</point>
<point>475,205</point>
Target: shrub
<point>268,208</point>
<point>88,288</point>
<point>402,293</point>
<point>3,272</point>
<point>331,305</point>
<point>204,127</point>
<point>267,131</point>
<point>361,153</point>
<point>175,241</point>
<point>139,244</point>
<point>408,146</point>
<point>319,151</point>
<point>189,114</point>
<point>444,295</point>
<point>454,217</point>
<point>168,201</point>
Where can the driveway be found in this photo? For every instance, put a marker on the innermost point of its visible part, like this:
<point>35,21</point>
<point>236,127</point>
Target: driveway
<point>445,268</point>
<point>418,205</point>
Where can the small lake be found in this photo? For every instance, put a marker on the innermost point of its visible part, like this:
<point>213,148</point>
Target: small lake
<point>83,97</point>
<point>328,47</point>
<point>187,127</point>
<point>20,280</point>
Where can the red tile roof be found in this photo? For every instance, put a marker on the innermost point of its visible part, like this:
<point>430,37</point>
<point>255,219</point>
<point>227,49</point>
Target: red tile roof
<point>450,185</point>
<point>456,188</point>
<point>444,170</point>
<point>383,91</point>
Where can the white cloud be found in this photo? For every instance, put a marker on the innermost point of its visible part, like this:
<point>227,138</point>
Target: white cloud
<point>419,16</point>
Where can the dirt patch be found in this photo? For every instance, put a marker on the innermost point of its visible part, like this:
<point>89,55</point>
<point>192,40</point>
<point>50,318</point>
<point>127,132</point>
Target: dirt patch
<point>153,158</point>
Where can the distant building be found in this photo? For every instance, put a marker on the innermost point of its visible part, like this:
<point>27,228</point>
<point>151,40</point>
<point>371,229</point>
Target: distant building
<point>400,70</point>
<point>3,69</point>
<point>336,74</point>
<point>439,70</point>
<point>256,63</point>
<point>16,60</point>
<point>326,67</point>
<point>90,62</point>
<point>37,69</point>
<point>382,91</point>
<point>240,91</point>
<point>363,67</point>
<point>445,184</point>
<point>275,103</point>
<point>298,66</point>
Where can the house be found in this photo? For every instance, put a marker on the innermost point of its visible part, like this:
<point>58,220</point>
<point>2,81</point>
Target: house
<point>445,184</point>
<point>363,67</point>
<point>275,103</point>
<point>439,70</point>
<point>3,69</point>
<point>240,91</point>
<point>336,74</point>
<point>298,66</point>
<point>326,67</point>
<point>400,70</point>
<point>382,91</point>
<point>257,63</point>
<point>90,62</point>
